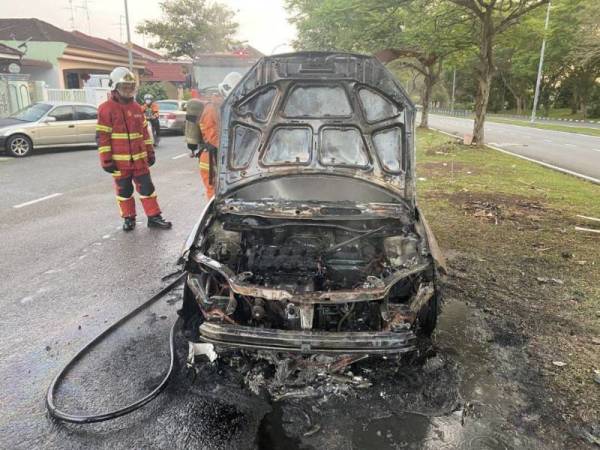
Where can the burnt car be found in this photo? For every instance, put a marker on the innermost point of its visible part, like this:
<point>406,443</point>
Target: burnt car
<point>313,242</point>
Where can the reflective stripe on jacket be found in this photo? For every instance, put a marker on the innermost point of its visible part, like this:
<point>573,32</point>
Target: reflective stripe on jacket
<point>122,135</point>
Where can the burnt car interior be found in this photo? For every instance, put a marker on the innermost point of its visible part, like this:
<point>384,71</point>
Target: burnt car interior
<point>314,242</point>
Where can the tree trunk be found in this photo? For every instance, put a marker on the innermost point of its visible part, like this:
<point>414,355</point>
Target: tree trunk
<point>428,83</point>
<point>574,103</point>
<point>519,102</point>
<point>485,73</point>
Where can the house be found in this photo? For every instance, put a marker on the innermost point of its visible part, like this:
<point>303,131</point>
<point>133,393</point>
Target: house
<point>173,75</point>
<point>12,94</point>
<point>68,58</point>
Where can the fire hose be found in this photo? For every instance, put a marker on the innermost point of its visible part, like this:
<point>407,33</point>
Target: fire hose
<point>58,414</point>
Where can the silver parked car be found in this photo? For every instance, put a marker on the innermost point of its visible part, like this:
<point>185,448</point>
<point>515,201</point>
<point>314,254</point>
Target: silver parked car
<point>48,124</point>
<point>171,115</point>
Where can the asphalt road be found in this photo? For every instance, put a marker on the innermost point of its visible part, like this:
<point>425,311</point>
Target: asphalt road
<point>572,152</point>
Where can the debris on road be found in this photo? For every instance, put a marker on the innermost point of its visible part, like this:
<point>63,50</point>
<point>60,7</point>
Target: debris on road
<point>199,349</point>
<point>559,363</point>
<point>545,280</point>
<point>588,230</point>
<point>593,219</point>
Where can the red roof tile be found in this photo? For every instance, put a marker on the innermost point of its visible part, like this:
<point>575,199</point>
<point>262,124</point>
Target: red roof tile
<point>164,71</point>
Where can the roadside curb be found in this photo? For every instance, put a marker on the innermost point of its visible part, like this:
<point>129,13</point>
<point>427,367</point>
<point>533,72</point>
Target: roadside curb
<point>550,166</point>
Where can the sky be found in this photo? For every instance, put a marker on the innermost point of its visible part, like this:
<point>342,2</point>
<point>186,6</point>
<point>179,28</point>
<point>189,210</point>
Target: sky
<point>262,23</point>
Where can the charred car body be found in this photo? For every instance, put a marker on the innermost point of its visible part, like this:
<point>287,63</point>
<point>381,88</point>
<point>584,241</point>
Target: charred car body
<point>314,242</point>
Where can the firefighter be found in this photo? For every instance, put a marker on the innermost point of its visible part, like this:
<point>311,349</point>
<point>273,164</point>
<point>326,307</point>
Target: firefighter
<point>151,113</point>
<point>209,128</point>
<point>126,151</point>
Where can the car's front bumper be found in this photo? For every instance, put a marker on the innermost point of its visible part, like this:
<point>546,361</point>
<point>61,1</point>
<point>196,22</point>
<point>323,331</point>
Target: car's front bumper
<point>380,342</point>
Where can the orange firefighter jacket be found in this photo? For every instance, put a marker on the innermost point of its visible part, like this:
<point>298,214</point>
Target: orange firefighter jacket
<point>153,113</point>
<point>122,135</point>
<point>209,124</point>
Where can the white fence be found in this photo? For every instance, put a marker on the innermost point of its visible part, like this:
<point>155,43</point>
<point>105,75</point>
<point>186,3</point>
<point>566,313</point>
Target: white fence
<point>94,96</point>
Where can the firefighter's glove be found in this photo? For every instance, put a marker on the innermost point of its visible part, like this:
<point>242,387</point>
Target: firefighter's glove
<point>110,168</point>
<point>151,160</point>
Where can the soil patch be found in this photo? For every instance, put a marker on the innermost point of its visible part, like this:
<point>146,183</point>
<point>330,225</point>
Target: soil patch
<point>447,148</point>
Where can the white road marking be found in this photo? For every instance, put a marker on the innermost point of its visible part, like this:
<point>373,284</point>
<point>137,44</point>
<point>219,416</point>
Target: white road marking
<point>569,145</point>
<point>180,156</point>
<point>548,141</point>
<point>47,197</point>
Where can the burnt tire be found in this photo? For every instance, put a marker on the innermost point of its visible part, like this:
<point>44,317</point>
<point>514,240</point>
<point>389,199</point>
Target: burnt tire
<point>428,316</point>
<point>191,316</point>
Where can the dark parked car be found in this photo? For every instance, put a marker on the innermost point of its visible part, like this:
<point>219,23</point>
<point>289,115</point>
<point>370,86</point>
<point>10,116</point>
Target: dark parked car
<point>314,242</point>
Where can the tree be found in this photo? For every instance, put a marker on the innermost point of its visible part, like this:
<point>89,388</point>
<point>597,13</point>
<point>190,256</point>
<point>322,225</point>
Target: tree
<point>420,34</point>
<point>491,18</point>
<point>190,27</point>
<point>156,89</point>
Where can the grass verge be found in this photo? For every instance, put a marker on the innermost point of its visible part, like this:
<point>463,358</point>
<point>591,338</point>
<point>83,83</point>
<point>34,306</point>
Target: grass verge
<point>508,227</point>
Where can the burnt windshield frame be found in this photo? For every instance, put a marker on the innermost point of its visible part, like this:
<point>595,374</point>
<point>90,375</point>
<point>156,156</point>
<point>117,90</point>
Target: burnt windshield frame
<point>344,127</point>
<point>285,126</point>
<point>304,85</point>
<point>251,114</point>
<point>230,159</point>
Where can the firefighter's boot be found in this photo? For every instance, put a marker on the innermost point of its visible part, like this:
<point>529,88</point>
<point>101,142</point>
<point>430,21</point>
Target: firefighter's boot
<point>128,223</point>
<point>159,222</point>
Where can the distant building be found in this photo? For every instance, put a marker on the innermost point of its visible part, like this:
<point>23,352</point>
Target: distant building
<point>65,60</point>
<point>173,75</point>
<point>211,68</point>
<point>14,90</point>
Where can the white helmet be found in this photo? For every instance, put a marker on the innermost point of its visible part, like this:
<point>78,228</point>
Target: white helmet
<point>120,75</point>
<point>228,83</point>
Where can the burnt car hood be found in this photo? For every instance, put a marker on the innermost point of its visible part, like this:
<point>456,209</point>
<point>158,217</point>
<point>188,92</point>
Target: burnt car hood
<point>317,127</point>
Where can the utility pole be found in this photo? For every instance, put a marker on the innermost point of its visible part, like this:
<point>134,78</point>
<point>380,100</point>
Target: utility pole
<point>72,16</point>
<point>130,55</point>
<point>536,97</point>
<point>453,91</point>
<point>86,8</point>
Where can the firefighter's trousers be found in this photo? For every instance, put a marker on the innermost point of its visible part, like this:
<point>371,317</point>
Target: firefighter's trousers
<point>204,164</point>
<point>124,181</point>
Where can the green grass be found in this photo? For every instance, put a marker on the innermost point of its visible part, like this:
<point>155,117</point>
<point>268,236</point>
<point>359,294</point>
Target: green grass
<point>557,113</point>
<point>498,172</point>
<point>547,126</point>
<point>533,236</point>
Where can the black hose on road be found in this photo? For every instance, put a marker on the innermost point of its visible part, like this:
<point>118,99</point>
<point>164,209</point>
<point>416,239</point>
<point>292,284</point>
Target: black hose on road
<point>66,417</point>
